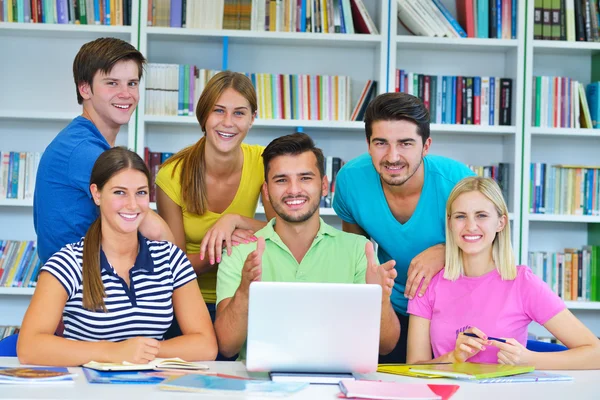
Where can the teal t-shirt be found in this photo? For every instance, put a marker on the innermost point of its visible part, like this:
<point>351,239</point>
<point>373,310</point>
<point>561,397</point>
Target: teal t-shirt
<point>359,199</point>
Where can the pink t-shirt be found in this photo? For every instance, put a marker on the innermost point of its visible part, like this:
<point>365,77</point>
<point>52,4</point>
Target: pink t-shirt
<point>499,308</point>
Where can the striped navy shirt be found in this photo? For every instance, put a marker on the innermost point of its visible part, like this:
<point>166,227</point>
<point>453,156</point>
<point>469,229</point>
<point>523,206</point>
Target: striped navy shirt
<point>145,308</point>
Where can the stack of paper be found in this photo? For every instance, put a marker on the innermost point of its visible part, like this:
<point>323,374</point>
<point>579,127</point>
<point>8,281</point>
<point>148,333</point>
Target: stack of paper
<point>217,386</point>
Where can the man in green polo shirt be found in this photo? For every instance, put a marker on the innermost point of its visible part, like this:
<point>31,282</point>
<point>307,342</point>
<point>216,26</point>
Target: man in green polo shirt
<point>297,246</point>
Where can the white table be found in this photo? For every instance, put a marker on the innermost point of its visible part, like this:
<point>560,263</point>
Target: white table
<point>585,386</point>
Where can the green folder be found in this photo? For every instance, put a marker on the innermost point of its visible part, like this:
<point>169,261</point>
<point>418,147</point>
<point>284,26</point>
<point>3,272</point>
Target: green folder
<point>471,370</point>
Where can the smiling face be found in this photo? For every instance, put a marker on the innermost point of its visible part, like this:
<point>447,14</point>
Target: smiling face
<point>474,223</point>
<point>397,150</point>
<point>123,201</point>
<point>295,187</point>
<point>228,122</point>
<point>113,97</point>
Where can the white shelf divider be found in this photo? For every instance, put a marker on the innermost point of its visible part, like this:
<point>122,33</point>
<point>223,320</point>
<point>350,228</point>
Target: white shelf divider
<point>583,305</point>
<point>16,203</point>
<point>571,132</point>
<point>37,115</point>
<point>591,219</point>
<point>16,26</point>
<point>17,291</point>
<point>455,44</point>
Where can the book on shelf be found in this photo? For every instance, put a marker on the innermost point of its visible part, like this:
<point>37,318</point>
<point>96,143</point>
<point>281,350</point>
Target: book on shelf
<point>215,385</point>
<point>428,18</point>
<point>78,12</point>
<point>35,375</point>
<point>173,89</point>
<point>154,160</point>
<point>562,102</point>
<point>319,16</point>
<point>17,174</point>
<point>572,274</point>
<point>570,20</point>
<point>6,331</point>
<point>332,167</point>
<point>487,19</point>
<point>19,263</point>
<point>156,364</point>
<point>564,189</point>
<point>500,173</point>
<point>466,100</point>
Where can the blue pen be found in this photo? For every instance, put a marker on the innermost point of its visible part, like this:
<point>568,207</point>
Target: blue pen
<point>489,337</point>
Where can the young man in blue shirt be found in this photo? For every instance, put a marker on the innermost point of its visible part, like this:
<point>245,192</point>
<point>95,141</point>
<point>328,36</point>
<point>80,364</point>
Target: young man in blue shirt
<point>107,72</point>
<point>396,194</point>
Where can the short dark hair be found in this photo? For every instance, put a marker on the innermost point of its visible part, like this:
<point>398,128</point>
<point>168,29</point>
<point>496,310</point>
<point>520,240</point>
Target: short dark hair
<point>294,144</point>
<point>397,107</point>
<point>102,55</point>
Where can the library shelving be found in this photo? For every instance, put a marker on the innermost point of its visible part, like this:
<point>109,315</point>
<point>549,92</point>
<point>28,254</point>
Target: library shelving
<point>41,103</point>
<point>571,146</point>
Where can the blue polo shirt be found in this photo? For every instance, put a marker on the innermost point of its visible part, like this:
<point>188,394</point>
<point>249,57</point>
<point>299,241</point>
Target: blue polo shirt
<point>63,208</point>
<point>359,199</point>
<point>144,308</point>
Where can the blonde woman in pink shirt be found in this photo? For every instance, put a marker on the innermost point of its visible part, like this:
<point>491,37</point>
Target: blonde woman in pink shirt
<point>482,292</point>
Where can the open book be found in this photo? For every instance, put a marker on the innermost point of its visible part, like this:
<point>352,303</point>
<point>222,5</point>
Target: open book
<point>159,363</point>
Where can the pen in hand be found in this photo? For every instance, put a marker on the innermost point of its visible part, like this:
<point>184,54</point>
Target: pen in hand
<point>489,337</point>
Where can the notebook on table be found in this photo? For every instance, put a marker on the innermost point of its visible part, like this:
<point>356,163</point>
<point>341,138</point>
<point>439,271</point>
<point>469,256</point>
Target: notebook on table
<point>35,375</point>
<point>307,328</point>
<point>157,364</point>
<point>471,371</point>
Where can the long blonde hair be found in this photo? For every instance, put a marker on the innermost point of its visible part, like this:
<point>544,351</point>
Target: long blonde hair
<point>191,158</point>
<point>502,253</point>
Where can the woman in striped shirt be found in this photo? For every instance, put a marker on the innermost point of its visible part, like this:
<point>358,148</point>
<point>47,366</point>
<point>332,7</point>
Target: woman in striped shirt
<point>116,291</point>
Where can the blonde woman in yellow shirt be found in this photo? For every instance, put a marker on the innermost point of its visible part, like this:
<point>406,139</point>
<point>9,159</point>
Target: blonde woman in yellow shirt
<point>208,192</point>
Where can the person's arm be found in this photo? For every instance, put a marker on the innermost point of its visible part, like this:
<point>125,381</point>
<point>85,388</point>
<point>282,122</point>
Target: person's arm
<point>198,342</point>
<point>154,227</point>
<point>231,323</point>
<point>172,214</point>
<point>423,267</point>
<point>37,344</point>
<point>583,353</point>
<point>223,232</point>
<point>354,228</point>
<point>384,276</point>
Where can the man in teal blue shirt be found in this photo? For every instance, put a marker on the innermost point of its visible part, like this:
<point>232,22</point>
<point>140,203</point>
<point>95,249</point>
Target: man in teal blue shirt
<point>396,194</point>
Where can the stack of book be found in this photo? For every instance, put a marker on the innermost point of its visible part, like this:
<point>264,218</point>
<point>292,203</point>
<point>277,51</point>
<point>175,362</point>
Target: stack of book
<point>320,16</point>
<point>572,274</point>
<point>173,89</point>
<point>562,102</point>
<point>571,20</point>
<point>17,174</point>
<point>564,189</point>
<point>467,100</point>
<point>19,263</point>
<point>493,19</point>
<point>84,12</point>
<point>499,173</point>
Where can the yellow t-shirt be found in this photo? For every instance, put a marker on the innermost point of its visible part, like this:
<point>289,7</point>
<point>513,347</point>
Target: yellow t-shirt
<point>195,226</point>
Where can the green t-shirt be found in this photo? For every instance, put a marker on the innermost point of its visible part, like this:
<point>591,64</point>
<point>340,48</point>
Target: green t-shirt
<point>333,257</point>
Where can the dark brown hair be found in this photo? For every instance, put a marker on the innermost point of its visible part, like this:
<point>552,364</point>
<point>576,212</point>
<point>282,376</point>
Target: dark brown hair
<point>109,163</point>
<point>102,55</point>
<point>193,163</point>
<point>294,144</point>
<point>397,107</point>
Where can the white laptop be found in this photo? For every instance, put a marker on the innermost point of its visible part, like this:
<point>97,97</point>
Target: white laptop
<point>313,327</point>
